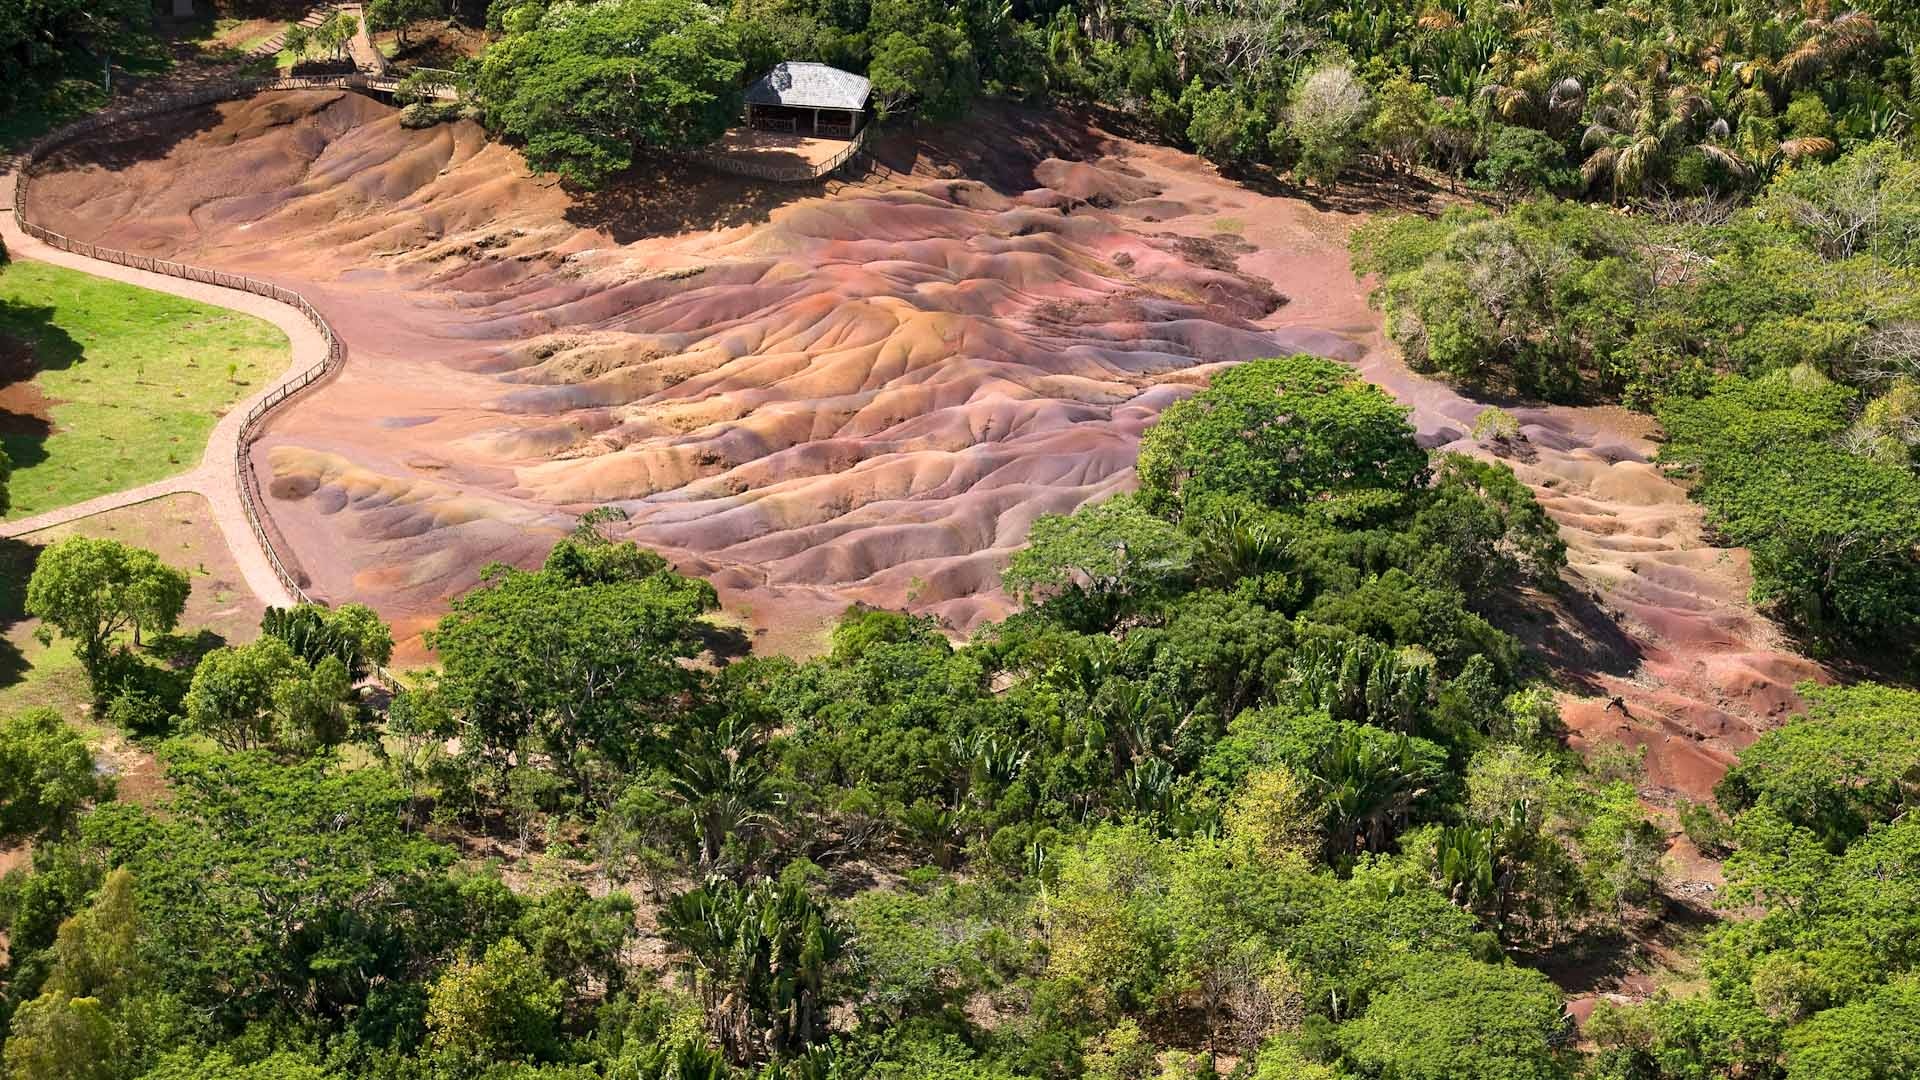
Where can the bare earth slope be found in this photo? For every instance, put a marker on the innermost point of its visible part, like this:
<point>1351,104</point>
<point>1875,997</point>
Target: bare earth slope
<point>862,392</point>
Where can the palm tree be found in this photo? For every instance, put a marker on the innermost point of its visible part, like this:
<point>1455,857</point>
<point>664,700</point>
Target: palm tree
<point>1149,787</point>
<point>1826,43</point>
<point>1234,542</point>
<point>1368,786</point>
<point>1137,722</point>
<point>761,957</point>
<point>723,779</point>
<point>1640,125</point>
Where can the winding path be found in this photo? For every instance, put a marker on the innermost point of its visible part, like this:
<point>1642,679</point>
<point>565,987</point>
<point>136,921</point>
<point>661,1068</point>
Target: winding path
<point>214,477</point>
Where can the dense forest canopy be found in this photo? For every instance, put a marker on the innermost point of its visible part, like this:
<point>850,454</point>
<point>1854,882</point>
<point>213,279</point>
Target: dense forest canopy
<point>1779,344</point>
<point>1612,100</point>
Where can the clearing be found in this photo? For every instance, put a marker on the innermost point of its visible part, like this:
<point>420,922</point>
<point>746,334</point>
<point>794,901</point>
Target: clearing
<point>105,386</point>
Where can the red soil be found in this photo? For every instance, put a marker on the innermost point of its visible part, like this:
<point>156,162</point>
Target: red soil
<point>857,392</point>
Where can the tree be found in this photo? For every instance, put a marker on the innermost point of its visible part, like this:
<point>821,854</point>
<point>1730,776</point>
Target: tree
<point>1095,563</point>
<point>1833,535</point>
<point>193,1063</point>
<point>1850,762</point>
<point>1877,1038</point>
<point>262,695</point>
<point>1325,114</point>
<point>336,34</point>
<point>46,776</point>
<point>920,58</point>
<point>56,1037</point>
<point>1401,124</point>
<point>1220,126</point>
<point>722,779</point>
<point>585,673</point>
<point>1290,433</point>
<point>1481,530</point>
<point>1272,814</point>
<point>275,886</point>
<point>97,952</point>
<point>1222,900</point>
<point>400,15</point>
<point>1452,1017</point>
<point>298,41</point>
<point>354,633</point>
<point>586,559</point>
<point>501,1007</point>
<point>43,41</point>
<point>763,958</point>
<point>1523,160</point>
<point>586,85</point>
<point>1105,918</point>
<point>1369,782</point>
<point>92,590</point>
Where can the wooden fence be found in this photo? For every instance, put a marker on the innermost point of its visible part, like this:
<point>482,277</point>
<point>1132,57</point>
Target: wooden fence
<point>336,356</point>
<point>787,174</point>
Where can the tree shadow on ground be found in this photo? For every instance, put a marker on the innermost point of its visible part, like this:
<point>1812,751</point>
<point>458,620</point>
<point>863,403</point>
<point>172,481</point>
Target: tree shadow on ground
<point>1576,638</point>
<point>726,643</point>
<point>1362,189</point>
<point>129,142</point>
<point>999,144</point>
<point>30,343</point>
<point>1606,962</point>
<point>17,558</point>
<point>182,650</point>
<point>666,197</point>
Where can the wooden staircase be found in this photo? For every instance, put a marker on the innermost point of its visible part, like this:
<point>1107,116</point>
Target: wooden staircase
<point>271,47</point>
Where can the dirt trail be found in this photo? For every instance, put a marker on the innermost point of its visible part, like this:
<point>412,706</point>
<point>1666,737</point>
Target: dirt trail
<point>860,392</point>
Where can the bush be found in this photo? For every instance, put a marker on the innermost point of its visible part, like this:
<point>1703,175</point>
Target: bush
<point>1325,115</point>
<point>1833,535</point>
<point>1522,160</point>
<point>426,114</point>
<point>1709,830</point>
<point>1283,432</point>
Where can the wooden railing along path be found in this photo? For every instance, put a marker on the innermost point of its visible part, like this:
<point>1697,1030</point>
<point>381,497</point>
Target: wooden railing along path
<point>248,483</point>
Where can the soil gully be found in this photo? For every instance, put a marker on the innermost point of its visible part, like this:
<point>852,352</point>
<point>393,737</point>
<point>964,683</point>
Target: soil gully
<point>862,391</point>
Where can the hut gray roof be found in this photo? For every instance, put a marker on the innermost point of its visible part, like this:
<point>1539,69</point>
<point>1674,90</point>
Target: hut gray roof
<point>810,86</point>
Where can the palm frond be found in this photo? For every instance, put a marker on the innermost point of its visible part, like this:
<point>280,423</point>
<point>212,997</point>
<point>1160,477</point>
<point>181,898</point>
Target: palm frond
<point>1728,160</point>
<point>1599,164</point>
<point>1806,146</point>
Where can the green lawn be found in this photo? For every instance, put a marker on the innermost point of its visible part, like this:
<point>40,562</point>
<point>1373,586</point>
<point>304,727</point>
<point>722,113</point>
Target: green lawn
<point>125,383</point>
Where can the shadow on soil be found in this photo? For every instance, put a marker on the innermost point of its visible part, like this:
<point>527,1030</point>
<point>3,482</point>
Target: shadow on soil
<point>30,343</point>
<point>1000,145</point>
<point>130,142</point>
<point>652,199</point>
<point>1574,636</point>
<point>16,565</point>
<point>1625,961</point>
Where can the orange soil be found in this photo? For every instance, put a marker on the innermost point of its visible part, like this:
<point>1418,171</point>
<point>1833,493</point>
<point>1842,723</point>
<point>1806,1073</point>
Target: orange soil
<point>852,392</point>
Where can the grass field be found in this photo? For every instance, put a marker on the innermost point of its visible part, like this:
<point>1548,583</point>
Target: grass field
<point>105,386</point>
